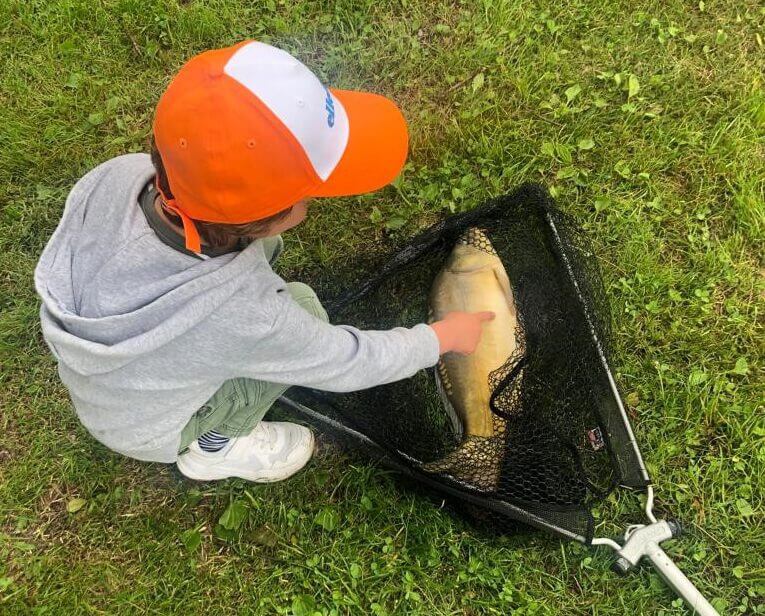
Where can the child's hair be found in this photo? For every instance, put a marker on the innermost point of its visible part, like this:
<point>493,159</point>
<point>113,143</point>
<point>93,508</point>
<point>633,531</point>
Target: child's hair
<point>215,234</point>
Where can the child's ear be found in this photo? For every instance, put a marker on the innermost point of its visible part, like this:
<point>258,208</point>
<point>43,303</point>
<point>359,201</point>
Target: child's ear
<point>293,219</point>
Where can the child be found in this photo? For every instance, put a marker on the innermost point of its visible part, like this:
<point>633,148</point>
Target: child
<point>171,331</point>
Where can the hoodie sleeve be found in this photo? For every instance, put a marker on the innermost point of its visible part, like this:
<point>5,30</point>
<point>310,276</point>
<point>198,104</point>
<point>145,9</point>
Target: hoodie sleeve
<point>291,346</point>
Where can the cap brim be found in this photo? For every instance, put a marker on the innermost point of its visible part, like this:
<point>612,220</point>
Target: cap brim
<point>377,146</point>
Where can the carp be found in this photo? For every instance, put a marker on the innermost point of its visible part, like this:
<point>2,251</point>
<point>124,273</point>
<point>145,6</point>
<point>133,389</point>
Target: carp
<point>473,279</point>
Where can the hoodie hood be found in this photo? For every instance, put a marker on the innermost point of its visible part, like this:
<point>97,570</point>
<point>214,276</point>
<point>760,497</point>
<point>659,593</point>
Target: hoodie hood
<point>99,315</point>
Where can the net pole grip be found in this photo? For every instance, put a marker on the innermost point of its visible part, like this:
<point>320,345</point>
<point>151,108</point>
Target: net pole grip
<point>677,580</point>
<point>644,542</point>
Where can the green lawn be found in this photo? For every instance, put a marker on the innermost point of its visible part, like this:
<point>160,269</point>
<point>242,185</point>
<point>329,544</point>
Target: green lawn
<point>646,119</point>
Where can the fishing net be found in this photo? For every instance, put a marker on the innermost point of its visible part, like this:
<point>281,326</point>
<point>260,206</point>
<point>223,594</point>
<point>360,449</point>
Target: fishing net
<point>561,440</point>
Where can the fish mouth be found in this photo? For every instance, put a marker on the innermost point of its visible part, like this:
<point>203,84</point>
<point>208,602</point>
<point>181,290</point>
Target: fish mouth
<point>476,238</point>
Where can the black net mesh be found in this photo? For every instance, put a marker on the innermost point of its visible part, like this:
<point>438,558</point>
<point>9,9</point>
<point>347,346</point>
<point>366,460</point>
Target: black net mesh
<point>558,441</point>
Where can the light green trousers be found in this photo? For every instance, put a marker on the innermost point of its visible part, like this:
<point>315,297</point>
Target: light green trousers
<point>237,407</point>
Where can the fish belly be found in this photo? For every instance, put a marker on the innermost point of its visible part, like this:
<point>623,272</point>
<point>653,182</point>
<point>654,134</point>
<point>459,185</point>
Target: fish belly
<point>465,378</point>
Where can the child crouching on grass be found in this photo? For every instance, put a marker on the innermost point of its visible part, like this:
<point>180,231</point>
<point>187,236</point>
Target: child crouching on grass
<point>172,332</point>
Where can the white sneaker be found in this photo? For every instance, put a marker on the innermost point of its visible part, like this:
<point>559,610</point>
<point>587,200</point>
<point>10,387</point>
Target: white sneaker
<point>273,451</point>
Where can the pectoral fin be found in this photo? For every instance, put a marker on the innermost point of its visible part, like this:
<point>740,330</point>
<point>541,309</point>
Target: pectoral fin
<point>444,390</point>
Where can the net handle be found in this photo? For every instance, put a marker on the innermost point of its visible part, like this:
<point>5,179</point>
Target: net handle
<point>678,581</point>
<point>644,541</point>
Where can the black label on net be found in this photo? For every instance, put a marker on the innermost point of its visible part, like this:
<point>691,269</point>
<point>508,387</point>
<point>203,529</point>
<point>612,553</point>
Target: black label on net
<point>595,438</point>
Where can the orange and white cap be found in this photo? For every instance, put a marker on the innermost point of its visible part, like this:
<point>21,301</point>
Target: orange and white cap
<point>247,131</point>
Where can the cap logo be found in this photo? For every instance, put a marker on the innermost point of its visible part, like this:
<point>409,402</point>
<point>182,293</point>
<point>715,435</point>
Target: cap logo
<point>297,99</point>
<point>329,105</point>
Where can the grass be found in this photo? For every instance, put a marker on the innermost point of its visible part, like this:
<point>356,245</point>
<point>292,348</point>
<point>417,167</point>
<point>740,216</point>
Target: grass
<point>646,119</point>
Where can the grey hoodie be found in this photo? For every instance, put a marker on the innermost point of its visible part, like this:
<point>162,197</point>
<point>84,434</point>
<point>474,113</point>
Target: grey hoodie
<point>145,334</point>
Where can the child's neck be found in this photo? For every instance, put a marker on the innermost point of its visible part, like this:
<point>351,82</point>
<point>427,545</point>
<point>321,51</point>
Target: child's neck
<point>162,212</point>
<point>159,208</point>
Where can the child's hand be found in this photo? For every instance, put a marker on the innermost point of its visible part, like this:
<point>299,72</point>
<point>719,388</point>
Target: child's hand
<point>460,332</point>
